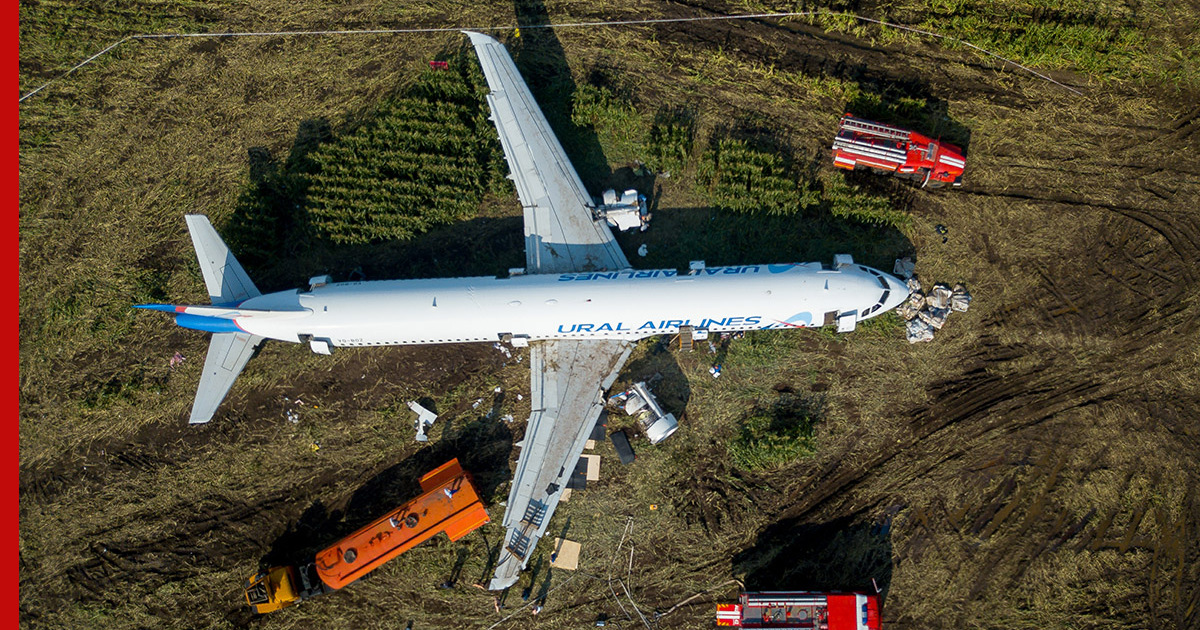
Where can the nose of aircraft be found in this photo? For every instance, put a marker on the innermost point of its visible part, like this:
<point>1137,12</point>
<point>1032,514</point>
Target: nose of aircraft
<point>898,292</point>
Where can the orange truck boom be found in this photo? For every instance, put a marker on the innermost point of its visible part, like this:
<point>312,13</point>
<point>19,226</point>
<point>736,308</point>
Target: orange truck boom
<point>448,503</point>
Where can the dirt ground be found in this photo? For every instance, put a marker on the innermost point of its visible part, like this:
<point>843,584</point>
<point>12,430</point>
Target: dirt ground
<point>1036,465</point>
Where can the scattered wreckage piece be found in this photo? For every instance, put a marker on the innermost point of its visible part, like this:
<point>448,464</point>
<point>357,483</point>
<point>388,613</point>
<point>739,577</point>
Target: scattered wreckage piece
<point>919,331</point>
<point>637,401</point>
<point>960,299</point>
<point>926,314</point>
<point>425,418</point>
<point>621,444</point>
<point>624,212</point>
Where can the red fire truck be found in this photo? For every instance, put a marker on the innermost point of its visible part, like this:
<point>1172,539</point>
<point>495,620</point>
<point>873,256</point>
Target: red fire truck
<point>894,150</point>
<point>802,609</point>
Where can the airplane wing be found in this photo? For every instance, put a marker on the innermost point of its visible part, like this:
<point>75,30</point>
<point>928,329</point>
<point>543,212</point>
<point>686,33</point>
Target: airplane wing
<point>227,355</point>
<point>561,232</point>
<point>568,379</point>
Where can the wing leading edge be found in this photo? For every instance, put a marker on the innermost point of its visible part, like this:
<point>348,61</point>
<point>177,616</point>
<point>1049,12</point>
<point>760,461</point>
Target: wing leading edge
<point>561,232</point>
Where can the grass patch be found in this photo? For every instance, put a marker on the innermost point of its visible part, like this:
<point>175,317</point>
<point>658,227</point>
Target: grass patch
<point>775,435</point>
<point>56,35</point>
<point>1109,41</point>
<point>615,121</point>
<point>671,139</point>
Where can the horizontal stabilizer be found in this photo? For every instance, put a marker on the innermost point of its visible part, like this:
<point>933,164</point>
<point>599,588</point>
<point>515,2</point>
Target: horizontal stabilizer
<point>228,353</point>
<point>227,282</point>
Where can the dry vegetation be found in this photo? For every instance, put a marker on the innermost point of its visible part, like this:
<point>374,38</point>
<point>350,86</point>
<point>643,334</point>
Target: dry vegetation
<point>1035,466</point>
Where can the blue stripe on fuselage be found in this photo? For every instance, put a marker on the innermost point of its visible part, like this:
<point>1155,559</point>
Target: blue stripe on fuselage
<point>206,323</point>
<point>166,308</point>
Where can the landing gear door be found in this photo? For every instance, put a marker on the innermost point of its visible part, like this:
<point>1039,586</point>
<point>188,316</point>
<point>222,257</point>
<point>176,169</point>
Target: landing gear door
<point>846,321</point>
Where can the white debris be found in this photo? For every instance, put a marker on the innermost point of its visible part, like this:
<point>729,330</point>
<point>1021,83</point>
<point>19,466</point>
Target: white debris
<point>928,313</point>
<point>643,250</point>
<point>425,418</point>
<point>914,285</point>
<point>904,267</point>
<point>960,299</point>
<point>637,401</point>
<point>625,211</point>
<point>907,310</point>
<point>475,405</point>
<point>508,417</point>
<point>939,297</point>
<point>935,317</point>
<point>497,390</point>
<point>918,331</point>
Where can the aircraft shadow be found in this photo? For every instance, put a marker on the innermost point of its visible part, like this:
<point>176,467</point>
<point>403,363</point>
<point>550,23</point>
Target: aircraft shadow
<point>540,57</point>
<point>271,236</point>
<point>722,238</point>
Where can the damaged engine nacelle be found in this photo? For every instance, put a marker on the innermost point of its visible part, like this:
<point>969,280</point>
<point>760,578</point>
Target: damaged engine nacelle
<point>656,423</point>
<point>625,212</point>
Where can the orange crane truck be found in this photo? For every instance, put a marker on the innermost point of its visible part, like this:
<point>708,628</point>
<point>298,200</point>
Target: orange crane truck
<point>449,503</point>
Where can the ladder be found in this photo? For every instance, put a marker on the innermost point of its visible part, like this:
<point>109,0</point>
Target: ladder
<point>872,128</point>
<point>870,149</point>
<point>685,338</point>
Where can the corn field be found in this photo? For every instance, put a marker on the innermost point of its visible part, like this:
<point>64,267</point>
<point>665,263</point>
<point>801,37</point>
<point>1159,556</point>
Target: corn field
<point>426,159</point>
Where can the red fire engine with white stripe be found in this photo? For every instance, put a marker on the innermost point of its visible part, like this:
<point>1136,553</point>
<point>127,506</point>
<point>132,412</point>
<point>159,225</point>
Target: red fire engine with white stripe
<point>802,609</point>
<point>894,150</point>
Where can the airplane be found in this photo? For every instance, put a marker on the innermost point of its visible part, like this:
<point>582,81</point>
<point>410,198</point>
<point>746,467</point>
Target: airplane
<point>579,306</point>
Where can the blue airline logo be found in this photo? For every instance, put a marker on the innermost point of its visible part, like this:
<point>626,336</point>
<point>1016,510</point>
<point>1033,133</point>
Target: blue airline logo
<point>657,273</point>
<point>666,324</point>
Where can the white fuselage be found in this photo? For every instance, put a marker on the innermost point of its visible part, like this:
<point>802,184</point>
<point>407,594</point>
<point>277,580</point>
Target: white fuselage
<point>629,304</point>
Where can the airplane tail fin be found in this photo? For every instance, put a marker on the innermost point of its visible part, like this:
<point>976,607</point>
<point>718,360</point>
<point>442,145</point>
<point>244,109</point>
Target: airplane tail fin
<point>230,348</point>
